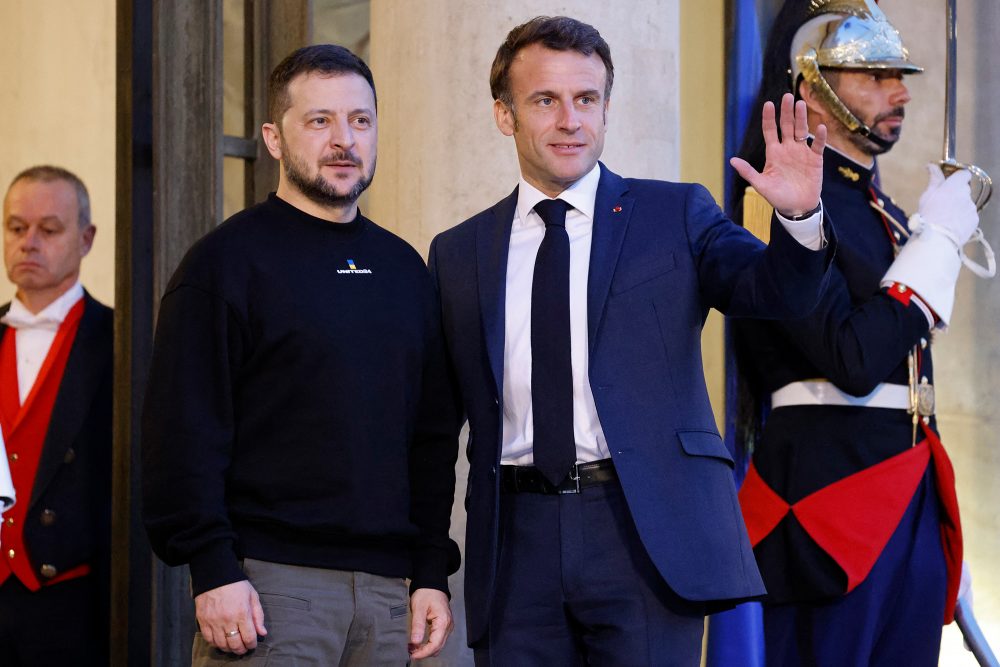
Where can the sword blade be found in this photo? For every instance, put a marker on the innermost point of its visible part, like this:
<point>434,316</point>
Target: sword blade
<point>974,638</point>
<point>950,81</point>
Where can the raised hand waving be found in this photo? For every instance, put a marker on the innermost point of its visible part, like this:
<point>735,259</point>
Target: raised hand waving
<point>792,177</point>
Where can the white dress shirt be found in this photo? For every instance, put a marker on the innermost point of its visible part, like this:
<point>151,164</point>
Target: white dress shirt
<point>35,334</point>
<point>526,235</point>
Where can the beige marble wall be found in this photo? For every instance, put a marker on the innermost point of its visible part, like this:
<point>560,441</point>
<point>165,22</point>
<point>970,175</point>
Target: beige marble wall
<point>967,358</point>
<point>57,68</point>
<point>344,22</point>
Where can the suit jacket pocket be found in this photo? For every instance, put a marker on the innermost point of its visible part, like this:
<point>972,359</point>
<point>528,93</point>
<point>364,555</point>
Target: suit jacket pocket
<point>704,443</point>
<point>632,275</point>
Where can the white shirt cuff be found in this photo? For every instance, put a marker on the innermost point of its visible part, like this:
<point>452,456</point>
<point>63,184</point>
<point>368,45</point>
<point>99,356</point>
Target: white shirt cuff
<point>808,232</point>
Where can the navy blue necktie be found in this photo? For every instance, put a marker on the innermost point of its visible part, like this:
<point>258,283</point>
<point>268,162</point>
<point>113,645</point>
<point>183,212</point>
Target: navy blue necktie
<point>554,446</point>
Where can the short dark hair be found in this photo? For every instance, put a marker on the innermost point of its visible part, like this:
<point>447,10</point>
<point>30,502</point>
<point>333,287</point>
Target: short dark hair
<point>559,33</point>
<point>328,59</point>
<point>46,173</point>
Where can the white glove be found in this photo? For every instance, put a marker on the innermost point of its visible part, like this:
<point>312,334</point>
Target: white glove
<point>946,205</point>
<point>930,260</point>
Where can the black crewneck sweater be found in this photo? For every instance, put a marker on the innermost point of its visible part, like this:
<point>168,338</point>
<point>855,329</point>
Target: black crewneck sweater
<point>299,409</point>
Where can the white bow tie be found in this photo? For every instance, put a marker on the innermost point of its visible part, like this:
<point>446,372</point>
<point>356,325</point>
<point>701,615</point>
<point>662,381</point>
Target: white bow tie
<point>29,321</point>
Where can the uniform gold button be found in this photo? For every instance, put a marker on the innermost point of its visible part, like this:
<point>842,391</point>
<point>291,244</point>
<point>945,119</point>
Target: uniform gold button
<point>13,457</point>
<point>923,343</point>
<point>11,554</point>
<point>10,521</point>
<point>70,456</point>
<point>48,571</point>
<point>48,517</point>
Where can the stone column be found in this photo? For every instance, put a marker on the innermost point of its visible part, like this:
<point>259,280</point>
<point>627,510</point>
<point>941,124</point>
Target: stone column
<point>967,357</point>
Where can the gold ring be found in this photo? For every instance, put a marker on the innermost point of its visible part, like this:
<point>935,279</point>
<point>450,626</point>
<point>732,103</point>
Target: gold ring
<point>233,633</point>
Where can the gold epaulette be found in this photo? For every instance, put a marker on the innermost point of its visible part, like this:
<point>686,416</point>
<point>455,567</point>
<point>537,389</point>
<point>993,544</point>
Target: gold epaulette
<point>757,214</point>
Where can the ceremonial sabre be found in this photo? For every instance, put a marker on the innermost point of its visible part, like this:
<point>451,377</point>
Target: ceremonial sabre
<point>982,184</point>
<point>974,639</point>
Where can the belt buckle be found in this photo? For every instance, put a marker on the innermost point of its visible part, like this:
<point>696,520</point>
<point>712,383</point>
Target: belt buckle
<point>925,399</point>
<point>574,476</point>
<point>922,403</point>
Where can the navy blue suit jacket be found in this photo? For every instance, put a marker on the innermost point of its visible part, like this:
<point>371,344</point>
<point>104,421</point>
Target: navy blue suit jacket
<point>662,254</point>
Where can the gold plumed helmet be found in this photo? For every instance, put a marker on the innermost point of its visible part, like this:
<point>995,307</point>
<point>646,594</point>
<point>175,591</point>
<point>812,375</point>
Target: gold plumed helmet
<point>846,34</point>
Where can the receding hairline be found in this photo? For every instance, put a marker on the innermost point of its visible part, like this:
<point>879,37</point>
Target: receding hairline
<point>558,33</point>
<point>51,174</point>
<point>593,56</point>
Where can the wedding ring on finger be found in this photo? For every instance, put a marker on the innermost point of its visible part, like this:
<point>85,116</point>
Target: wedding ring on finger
<point>233,633</point>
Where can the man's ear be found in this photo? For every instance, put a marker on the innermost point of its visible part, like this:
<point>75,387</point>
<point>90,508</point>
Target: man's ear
<point>504,116</point>
<point>807,95</point>
<point>87,239</point>
<point>272,139</point>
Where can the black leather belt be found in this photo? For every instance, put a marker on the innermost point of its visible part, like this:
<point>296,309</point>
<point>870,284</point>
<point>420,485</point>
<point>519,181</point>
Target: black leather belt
<point>527,479</point>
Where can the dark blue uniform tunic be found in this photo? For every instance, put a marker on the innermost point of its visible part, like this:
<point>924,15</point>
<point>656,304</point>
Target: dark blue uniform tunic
<point>858,337</point>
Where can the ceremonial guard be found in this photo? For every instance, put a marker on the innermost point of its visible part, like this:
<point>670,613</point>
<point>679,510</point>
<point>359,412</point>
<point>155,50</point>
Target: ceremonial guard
<point>850,500</point>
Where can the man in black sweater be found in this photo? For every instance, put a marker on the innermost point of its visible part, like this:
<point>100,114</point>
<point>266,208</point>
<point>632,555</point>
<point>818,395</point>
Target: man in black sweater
<point>300,433</point>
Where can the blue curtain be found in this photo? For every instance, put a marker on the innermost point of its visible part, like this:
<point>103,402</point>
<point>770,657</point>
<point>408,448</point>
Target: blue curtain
<point>735,637</point>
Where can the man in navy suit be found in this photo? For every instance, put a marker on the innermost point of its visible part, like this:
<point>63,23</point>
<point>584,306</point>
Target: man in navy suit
<point>602,518</point>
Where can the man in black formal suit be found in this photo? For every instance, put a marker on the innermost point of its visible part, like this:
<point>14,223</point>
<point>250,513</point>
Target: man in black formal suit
<point>55,410</point>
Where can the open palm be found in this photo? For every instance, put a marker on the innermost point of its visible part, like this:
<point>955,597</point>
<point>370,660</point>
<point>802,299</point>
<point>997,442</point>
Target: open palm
<point>792,177</point>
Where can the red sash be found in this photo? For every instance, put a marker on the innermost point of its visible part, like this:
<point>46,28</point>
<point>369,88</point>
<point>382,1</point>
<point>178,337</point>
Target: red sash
<point>24,430</point>
<point>853,518</point>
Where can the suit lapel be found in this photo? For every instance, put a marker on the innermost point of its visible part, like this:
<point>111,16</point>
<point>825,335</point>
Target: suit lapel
<point>492,244</point>
<point>80,380</point>
<point>612,212</point>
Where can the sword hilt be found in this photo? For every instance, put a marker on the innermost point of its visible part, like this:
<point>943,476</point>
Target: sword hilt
<point>981,184</point>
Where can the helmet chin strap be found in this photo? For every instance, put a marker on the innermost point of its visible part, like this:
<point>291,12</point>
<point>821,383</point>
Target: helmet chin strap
<point>870,135</point>
<point>821,88</point>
